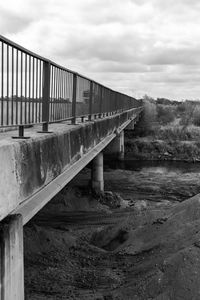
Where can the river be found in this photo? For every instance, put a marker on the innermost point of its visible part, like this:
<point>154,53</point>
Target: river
<point>154,166</point>
<point>153,180</point>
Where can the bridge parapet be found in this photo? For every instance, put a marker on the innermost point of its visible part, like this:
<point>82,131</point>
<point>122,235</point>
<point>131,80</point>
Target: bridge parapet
<point>28,166</point>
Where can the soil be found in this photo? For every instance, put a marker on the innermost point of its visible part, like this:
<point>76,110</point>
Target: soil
<point>141,241</point>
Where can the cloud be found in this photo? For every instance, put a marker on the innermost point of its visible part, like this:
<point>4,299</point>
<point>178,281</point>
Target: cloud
<point>11,22</point>
<point>173,56</point>
<point>135,46</point>
<point>16,16</point>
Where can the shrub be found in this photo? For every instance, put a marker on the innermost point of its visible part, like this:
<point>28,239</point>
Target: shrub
<point>196,116</point>
<point>166,114</point>
<point>190,114</point>
<point>181,107</point>
<point>149,117</point>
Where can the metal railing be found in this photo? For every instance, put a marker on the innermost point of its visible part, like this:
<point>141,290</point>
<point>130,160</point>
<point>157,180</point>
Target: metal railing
<point>35,90</point>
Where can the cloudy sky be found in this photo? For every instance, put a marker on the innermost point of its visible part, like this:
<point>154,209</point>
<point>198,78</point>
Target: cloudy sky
<point>134,46</point>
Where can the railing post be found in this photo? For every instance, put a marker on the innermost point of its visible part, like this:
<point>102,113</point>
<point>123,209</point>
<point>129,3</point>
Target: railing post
<point>117,101</point>
<point>90,101</point>
<point>21,133</point>
<point>74,99</point>
<point>46,95</point>
<point>101,100</point>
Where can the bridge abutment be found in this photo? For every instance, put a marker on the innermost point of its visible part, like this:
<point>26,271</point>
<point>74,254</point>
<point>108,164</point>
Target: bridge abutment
<point>116,147</point>
<point>97,173</point>
<point>12,259</point>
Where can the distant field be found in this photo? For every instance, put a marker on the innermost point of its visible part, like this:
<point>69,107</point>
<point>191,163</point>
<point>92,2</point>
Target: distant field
<point>30,111</point>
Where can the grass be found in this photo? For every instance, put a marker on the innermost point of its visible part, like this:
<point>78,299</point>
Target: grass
<point>166,142</point>
<point>177,132</point>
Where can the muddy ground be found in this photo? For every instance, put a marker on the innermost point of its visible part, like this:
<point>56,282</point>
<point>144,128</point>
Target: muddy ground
<point>141,241</point>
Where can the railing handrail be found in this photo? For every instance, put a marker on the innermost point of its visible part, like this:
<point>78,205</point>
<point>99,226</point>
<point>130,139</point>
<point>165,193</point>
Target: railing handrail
<point>35,55</point>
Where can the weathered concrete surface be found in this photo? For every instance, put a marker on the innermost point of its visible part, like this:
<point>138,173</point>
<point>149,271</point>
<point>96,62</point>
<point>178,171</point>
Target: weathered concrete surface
<point>29,165</point>
<point>131,125</point>
<point>97,173</point>
<point>12,257</point>
<point>116,147</point>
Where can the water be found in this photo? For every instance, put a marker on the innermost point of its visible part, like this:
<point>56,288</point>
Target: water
<point>154,166</point>
<point>153,180</point>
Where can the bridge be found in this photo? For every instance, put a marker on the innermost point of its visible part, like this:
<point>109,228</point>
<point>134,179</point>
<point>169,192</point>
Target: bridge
<point>53,122</point>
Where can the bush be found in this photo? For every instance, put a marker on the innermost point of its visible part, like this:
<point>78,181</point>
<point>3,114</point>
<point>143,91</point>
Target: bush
<point>166,114</point>
<point>148,119</point>
<point>190,113</point>
<point>181,108</point>
<point>196,116</point>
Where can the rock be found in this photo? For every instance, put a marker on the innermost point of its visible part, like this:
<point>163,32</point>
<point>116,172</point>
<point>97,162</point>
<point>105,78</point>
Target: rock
<point>113,200</point>
<point>140,205</point>
<point>160,221</point>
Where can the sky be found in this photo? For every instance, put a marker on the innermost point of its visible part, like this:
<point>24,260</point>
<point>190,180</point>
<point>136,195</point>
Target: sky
<point>137,47</point>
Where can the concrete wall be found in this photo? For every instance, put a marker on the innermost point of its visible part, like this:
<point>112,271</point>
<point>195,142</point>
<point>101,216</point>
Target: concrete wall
<point>28,165</point>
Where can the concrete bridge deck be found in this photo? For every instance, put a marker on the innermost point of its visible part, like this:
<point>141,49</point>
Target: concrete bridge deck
<point>33,170</point>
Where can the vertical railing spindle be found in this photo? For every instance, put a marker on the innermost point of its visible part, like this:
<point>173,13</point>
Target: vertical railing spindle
<point>90,101</point>
<point>45,96</point>
<point>74,99</point>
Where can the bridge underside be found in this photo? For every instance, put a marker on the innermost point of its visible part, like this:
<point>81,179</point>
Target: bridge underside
<point>33,170</point>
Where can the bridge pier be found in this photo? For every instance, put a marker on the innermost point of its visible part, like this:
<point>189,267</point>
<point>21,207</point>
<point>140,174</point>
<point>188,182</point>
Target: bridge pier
<point>116,147</point>
<point>11,259</point>
<point>97,173</point>
<point>131,125</point>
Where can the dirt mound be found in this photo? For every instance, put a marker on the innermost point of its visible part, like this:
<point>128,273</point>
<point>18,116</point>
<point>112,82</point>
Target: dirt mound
<point>109,238</point>
<point>88,251</point>
<point>112,200</point>
<point>159,260</point>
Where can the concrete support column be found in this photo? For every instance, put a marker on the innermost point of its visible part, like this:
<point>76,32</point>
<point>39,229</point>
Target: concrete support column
<point>12,259</point>
<point>120,139</point>
<point>97,173</point>
<point>116,147</point>
<point>131,125</point>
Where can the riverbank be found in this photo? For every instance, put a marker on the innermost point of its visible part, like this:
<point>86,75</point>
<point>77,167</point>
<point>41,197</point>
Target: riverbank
<point>165,143</point>
<point>131,247</point>
<point>167,130</point>
<point>152,149</point>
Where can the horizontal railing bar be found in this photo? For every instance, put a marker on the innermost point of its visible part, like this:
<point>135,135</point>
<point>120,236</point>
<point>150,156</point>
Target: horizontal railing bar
<point>83,76</point>
<point>20,48</point>
<point>33,54</point>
